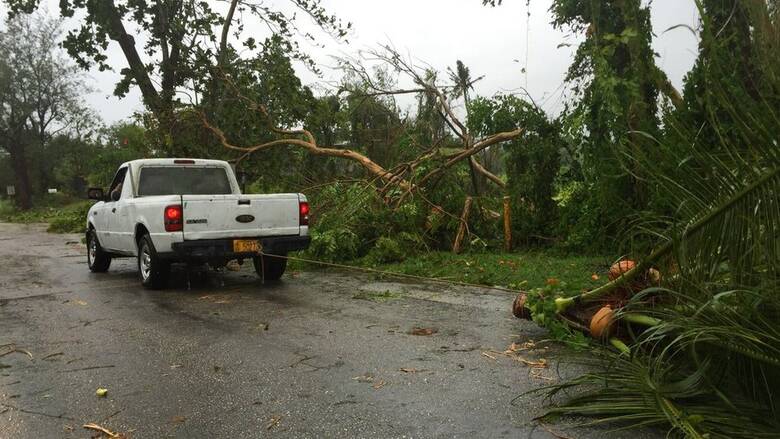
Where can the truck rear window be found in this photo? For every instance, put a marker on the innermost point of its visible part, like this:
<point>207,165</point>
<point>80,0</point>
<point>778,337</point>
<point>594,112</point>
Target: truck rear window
<point>183,180</point>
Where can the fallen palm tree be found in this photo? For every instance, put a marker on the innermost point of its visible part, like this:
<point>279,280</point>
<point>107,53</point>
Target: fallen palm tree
<point>693,347</point>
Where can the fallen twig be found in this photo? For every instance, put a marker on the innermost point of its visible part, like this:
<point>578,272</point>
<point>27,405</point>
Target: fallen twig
<point>485,354</point>
<point>103,430</point>
<point>273,422</point>
<point>15,349</point>
<point>88,368</point>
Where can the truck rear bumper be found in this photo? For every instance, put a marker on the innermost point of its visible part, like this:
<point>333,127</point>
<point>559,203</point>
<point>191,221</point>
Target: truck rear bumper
<point>208,249</point>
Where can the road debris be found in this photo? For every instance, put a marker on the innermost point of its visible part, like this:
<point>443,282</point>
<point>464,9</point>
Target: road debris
<point>11,348</point>
<point>104,431</point>
<point>56,354</point>
<point>541,364</point>
<point>423,331</point>
<point>273,422</point>
<point>178,419</point>
<point>101,392</point>
<point>553,433</point>
<point>411,370</point>
<point>367,378</point>
<point>379,385</point>
<point>485,354</point>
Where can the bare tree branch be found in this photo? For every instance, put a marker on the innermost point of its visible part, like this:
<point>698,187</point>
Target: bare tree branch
<point>489,175</point>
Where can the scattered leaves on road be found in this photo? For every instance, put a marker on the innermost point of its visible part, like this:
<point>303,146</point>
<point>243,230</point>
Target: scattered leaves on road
<point>513,352</point>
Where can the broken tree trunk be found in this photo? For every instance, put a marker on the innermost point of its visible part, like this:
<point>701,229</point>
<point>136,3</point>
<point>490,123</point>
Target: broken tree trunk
<point>463,227</point>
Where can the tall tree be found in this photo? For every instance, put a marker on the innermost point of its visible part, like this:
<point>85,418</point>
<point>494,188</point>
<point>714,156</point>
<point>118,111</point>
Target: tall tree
<point>181,48</point>
<point>464,83</point>
<point>39,89</point>
<point>617,85</point>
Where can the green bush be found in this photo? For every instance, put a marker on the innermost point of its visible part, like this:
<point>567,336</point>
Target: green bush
<point>71,219</point>
<point>67,219</point>
<point>350,221</point>
<point>337,244</point>
<point>386,250</point>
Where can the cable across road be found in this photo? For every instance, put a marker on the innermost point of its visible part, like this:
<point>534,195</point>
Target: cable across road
<point>391,273</point>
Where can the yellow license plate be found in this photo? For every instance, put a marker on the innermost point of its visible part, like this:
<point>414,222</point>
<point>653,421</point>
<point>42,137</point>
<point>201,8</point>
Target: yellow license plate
<point>247,246</point>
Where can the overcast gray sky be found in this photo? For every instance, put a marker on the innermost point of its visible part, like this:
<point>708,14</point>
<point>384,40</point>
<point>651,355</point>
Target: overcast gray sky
<point>490,41</point>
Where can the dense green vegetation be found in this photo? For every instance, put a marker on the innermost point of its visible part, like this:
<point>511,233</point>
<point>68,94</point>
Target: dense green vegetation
<point>684,182</point>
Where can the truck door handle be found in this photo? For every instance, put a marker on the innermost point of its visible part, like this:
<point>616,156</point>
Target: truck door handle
<point>244,202</point>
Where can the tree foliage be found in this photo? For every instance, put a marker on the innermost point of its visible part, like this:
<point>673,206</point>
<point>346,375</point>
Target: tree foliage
<point>532,161</point>
<point>39,95</point>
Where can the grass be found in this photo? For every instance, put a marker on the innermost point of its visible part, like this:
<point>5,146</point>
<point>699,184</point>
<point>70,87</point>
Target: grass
<point>521,270</point>
<point>63,216</point>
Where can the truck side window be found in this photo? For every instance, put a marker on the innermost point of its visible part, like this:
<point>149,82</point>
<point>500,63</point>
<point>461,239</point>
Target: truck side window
<point>116,185</point>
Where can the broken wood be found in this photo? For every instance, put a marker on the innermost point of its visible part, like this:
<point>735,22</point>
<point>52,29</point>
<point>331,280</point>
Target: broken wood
<point>401,176</point>
<point>463,227</point>
<point>107,432</point>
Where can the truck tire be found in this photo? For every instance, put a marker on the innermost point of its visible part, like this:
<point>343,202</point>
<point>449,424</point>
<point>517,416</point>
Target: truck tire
<point>154,271</point>
<point>270,267</point>
<point>98,260</point>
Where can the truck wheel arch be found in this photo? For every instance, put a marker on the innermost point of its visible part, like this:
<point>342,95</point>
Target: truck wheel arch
<point>140,231</point>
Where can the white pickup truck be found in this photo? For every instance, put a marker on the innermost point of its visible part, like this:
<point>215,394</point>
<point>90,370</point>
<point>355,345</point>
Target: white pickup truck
<point>164,211</point>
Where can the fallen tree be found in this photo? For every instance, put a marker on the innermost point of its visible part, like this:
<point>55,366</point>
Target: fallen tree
<point>400,176</point>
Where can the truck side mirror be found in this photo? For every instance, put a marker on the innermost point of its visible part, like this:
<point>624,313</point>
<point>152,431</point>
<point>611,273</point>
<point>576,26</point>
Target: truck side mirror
<point>95,193</point>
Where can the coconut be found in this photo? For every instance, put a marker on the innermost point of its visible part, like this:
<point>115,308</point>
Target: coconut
<point>518,307</point>
<point>620,268</point>
<point>601,323</point>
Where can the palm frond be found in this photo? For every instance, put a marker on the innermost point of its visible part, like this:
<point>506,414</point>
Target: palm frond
<point>711,367</point>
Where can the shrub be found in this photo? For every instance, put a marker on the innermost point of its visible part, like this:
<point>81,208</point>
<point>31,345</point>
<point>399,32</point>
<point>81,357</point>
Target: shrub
<point>337,244</point>
<point>386,250</point>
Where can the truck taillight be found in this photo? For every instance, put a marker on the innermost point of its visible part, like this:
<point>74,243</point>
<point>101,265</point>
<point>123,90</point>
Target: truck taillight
<point>173,218</point>
<point>304,213</point>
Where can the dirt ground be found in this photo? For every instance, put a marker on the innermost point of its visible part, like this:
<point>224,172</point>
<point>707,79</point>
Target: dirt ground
<point>318,354</point>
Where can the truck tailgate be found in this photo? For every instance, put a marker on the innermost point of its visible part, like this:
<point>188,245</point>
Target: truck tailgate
<point>240,216</point>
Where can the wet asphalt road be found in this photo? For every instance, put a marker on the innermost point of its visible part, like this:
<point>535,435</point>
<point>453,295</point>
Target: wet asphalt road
<point>309,356</point>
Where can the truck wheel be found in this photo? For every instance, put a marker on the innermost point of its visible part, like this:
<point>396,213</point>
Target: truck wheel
<point>154,271</point>
<point>270,267</point>
<point>97,259</point>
